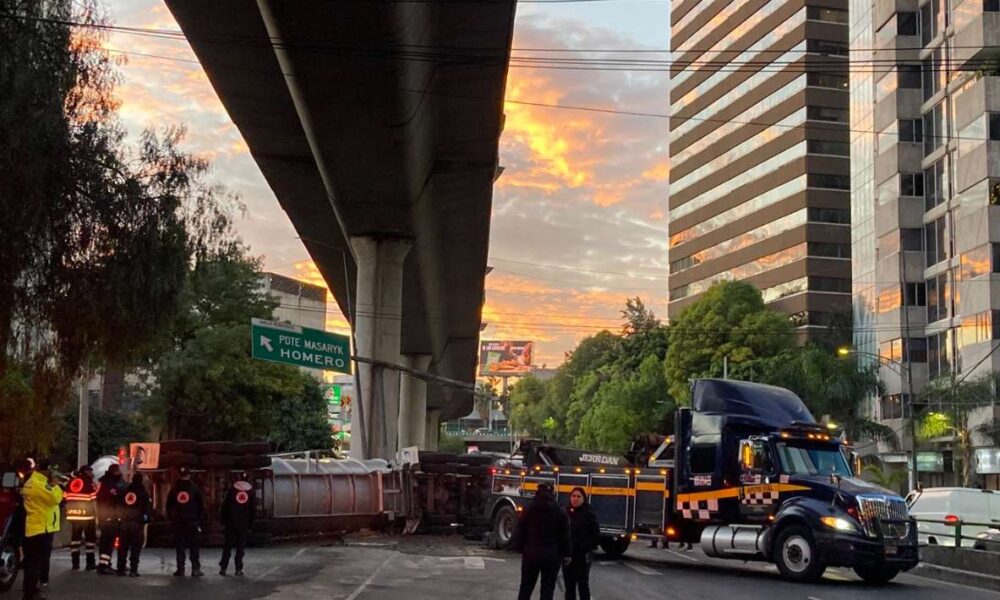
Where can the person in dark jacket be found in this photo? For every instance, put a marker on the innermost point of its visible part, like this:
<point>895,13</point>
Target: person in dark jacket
<point>135,509</point>
<point>109,496</point>
<point>185,508</point>
<point>237,518</point>
<point>585,534</point>
<point>542,537</point>
<point>81,512</point>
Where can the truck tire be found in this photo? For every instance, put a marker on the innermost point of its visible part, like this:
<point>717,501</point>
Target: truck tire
<point>439,468</point>
<point>219,461</point>
<point>8,566</point>
<point>796,554</point>
<point>614,546</point>
<point>178,447</point>
<point>476,460</point>
<point>437,458</point>
<point>504,522</point>
<point>874,575</point>
<point>251,448</point>
<point>215,448</point>
<point>178,459</point>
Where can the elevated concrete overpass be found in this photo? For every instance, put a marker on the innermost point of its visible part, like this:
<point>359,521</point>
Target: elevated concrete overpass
<point>376,123</point>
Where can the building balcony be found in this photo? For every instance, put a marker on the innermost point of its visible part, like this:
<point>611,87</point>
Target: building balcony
<point>977,34</point>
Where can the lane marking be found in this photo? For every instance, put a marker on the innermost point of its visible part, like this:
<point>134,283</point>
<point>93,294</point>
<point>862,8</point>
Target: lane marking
<point>949,583</point>
<point>475,563</point>
<point>642,569</point>
<point>684,556</point>
<point>371,578</point>
<point>813,598</point>
<point>281,564</point>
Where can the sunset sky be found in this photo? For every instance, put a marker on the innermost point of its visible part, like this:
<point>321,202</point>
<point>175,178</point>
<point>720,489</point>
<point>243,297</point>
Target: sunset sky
<point>579,214</point>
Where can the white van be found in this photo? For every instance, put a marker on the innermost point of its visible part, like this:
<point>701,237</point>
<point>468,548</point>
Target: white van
<point>952,504</point>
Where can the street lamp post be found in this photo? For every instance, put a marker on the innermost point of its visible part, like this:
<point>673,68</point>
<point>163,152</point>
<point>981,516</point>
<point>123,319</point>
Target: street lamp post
<point>912,419</point>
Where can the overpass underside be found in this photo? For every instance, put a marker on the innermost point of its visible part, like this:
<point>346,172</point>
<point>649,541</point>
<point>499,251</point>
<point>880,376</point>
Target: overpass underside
<point>376,124</point>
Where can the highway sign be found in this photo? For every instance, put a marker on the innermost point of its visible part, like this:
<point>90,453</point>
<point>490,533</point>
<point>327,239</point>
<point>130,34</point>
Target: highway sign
<point>300,346</point>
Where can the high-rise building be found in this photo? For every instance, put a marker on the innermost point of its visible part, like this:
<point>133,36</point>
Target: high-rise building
<point>759,177</point>
<point>925,151</point>
<point>299,303</point>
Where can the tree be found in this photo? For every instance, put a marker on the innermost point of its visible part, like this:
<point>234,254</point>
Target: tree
<point>108,431</point>
<point>526,399</point>
<point>95,240</point>
<point>729,322</point>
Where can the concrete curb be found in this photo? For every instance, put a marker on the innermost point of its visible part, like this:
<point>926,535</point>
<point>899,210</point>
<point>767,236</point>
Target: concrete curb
<point>950,575</point>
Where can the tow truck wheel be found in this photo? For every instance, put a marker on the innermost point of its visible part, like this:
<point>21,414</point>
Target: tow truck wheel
<point>796,554</point>
<point>614,546</point>
<point>503,525</point>
<point>876,575</point>
<point>8,567</point>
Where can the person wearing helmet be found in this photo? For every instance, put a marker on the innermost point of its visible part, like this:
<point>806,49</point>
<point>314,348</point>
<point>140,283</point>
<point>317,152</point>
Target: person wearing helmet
<point>81,512</point>
<point>237,518</point>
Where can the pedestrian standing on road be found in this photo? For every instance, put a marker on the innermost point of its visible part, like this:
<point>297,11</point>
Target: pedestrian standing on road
<point>585,534</point>
<point>237,518</point>
<point>41,497</point>
<point>110,489</point>
<point>185,507</point>
<point>135,514</point>
<point>81,512</point>
<point>542,537</point>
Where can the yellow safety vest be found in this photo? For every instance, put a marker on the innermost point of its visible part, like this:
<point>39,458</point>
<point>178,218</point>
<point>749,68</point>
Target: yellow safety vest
<point>41,503</point>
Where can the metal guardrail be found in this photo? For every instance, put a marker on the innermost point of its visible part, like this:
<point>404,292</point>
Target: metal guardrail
<point>957,527</point>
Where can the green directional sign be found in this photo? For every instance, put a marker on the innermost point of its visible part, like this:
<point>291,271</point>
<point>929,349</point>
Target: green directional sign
<point>300,346</point>
<point>331,392</point>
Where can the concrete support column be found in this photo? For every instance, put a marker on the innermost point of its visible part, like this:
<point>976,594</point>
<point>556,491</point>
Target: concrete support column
<point>413,403</point>
<point>377,325</point>
<point>433,430</point>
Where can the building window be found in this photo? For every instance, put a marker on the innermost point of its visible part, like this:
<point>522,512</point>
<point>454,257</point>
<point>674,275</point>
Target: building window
<point>909,77</point>
<point>930,15</point>
<point>891,350</point>
<point>991,5</point>
<point>826,47</point>
<point>830,182</point>
<point>911,240</point>
<point>934,184</point>
<point>976,262</point>
<point>994,124</point>
<point>827,80</point>
<point>934,133</point>
<point>829,15</point>
<point>907,23</point>
<point>976,328</point>
<point>938,354</point>
<point>911,130</point>
<point>935,245</point>
<point>891,407</point>
<point>841,216</point>
<point>938,297</point>
<point>996,258</point>
<point>828,147</point>
<point>829,250</point>
<point>915,294</point>
<point>911,184</point>
<point>679,265</point>
<point>830,284</point>
<point>824,113</point>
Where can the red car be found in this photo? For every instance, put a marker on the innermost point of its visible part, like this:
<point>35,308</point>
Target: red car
<point>9,530</point>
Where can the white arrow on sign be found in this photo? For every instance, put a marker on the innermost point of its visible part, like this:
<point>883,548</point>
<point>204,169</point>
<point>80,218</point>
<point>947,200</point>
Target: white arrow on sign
<point>266,342</point>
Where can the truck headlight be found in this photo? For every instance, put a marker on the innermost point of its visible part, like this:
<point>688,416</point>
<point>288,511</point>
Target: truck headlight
<point>839,524</point>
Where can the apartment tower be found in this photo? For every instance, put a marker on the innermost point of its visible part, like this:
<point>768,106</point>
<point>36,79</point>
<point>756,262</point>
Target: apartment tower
<point>759,178</point>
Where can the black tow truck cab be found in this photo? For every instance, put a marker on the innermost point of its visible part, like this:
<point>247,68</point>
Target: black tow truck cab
<point>747,474</point>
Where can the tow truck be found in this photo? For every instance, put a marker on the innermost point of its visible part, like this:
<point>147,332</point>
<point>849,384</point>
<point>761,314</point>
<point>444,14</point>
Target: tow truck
<point>748,474</point>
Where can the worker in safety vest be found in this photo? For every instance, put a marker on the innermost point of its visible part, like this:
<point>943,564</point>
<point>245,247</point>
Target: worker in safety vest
<point>109,494</point>
<point>42,498</point>
<point>81,512</point>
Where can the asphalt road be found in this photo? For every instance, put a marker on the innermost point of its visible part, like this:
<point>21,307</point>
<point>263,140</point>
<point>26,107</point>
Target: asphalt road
<point>426,569</point>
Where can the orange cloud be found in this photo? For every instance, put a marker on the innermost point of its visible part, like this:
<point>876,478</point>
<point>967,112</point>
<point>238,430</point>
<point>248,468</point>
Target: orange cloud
<point>306,270</point>
<point>658,172</point>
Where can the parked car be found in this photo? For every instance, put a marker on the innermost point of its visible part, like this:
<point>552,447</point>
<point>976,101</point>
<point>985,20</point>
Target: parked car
<point>9,542</point>
<point>952,505</point>
<point>988,540</point>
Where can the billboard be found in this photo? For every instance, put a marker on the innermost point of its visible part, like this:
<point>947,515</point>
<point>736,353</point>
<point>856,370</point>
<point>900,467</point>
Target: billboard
<point>498,359</point>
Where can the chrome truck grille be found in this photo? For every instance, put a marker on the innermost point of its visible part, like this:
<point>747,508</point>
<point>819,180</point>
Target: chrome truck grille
<point>886,514</point>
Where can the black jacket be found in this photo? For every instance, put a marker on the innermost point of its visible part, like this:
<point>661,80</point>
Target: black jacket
<point>237,507</point>
<point>109,497</point>
<point>585,531</point>
<point>542,534</point>
<point>185,503</point>
<point>136,504</point>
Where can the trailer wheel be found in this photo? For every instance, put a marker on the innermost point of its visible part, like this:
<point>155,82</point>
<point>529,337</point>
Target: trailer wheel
<point>876,575</point>
<point>796,554</point>
<point>614,546</point>
<point>504,523</point>
<point>8,566</point>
